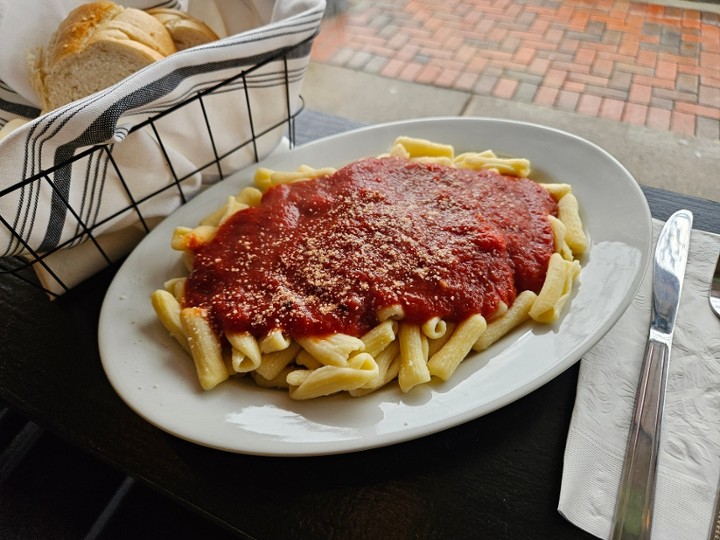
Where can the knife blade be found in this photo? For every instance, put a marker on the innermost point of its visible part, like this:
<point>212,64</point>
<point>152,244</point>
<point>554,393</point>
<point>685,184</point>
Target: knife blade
<point>715,290</point>
<point>636,496</point>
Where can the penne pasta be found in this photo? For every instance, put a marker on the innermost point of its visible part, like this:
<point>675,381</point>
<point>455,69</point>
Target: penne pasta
<point>394,312</point>
<point>557,191</point>
<point>205,347</point>
<point>556,289</point>
<point>176,287</point>
<point>184,238</point>
<point>559,231</point>
<point>399,345</point>
<point>569,214</point>
<point>488,160</point>
<point>250,196</point>
<point>388,363</point>
<point>513,316</point>
<point>167,309</point>
<point>434,345</point>
<point>413,357</point>
<point>219,217</point>
<point>439,160</point>
<point>423,148</point>
<point>499,312</point>
<point>444,362</point>
<point>274,341</point>
<point>271,364</point>
<point>307,360</point>
<point>266,178</point>
<point>279,381</point>
<point>434,328</point>
<point>246,355</point>
<point>309,384</point>
<point>332,350</point>
<point>379,337</point>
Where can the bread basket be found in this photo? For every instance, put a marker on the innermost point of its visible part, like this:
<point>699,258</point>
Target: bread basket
<point>81,185</point>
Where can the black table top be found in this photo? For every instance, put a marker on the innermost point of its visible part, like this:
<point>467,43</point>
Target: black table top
<point>496,477</point>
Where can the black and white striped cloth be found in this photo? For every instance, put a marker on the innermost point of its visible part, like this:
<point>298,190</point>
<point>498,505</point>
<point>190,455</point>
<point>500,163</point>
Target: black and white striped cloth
<point>35,215</point>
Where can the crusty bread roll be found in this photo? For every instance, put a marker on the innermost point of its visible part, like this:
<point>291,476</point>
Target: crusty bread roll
<point>186,30</point>
<point>96,46</point>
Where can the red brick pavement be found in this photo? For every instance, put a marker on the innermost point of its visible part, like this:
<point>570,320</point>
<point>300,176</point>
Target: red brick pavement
<point>632,62</point>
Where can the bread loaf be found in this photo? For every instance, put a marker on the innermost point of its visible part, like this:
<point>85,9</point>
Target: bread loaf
<point>96,46</point>
<point>186,31</point>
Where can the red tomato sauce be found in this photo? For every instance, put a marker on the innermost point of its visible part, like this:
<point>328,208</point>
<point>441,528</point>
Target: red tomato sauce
<point>324,255</point>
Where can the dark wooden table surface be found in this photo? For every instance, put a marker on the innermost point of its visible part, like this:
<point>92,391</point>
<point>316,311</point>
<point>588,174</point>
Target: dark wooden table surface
<point>495,477</point>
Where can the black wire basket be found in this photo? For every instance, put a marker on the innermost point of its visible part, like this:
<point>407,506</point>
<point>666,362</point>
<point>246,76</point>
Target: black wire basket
<point>24,267</point>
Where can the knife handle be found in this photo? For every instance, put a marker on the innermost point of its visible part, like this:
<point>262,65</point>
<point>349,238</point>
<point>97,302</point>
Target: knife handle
<point>633,513</point>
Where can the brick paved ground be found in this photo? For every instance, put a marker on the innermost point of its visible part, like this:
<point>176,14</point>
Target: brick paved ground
<point>632,62</point>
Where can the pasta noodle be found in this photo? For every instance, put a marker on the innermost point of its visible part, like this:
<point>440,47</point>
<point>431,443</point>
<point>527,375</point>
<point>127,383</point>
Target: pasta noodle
<point>271,364</point>
<point>377,339</point>
<point>400,345</point>
<point>205,347</point>
<point>556,289</point>
<point>444,362</point>
<point>332,350</point>
<point>513,316</point>
<point>274,341</point>
<point>168,309</point>
<point>246,355</point>
<point>307,384</point>
<point>413,357</point>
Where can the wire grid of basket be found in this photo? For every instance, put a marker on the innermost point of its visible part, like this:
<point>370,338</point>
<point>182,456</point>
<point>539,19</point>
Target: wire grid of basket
<point>21,267</point>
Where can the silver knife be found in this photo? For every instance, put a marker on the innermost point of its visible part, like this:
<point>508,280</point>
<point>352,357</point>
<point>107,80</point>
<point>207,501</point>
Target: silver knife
<point>633,511</point>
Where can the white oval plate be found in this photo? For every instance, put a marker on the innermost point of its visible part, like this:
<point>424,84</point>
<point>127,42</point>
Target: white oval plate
<point>156,379</point>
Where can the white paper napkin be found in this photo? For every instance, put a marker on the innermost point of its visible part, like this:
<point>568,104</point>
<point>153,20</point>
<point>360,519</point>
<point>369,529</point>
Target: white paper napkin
<point>243,112</point>
<point>689,459</point>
